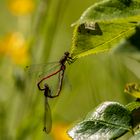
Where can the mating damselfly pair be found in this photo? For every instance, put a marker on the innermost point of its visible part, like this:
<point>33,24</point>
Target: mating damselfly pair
<point>43,85</point>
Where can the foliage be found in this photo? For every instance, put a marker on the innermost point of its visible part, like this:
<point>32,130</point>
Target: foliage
<point>103,25</point>
<point>108,121</point>
<point>98,29</point>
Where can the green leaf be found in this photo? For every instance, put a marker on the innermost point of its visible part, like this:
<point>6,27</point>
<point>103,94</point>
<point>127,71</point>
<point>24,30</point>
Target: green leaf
<point>134,107</point>
<point>103,24</point>
<point>108,121</point>
<point>130,45</point>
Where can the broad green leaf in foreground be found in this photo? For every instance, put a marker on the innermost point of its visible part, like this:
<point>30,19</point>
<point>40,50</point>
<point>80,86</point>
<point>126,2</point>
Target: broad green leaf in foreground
<point>103,24</point>
<point>108,121</point>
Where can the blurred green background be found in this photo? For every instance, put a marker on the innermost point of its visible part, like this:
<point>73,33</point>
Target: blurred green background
<point>39,31</point>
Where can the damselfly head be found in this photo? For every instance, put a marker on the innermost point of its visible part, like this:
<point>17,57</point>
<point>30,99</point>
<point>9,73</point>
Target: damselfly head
<point>47,90</point>
<point>66,53</point>
<point>46,86</point>
<point>64,58</point>
<point>67,58</point>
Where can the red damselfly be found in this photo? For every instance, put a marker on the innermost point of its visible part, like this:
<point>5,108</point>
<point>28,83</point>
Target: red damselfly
<point>46,88</point>
<point>60,71</point>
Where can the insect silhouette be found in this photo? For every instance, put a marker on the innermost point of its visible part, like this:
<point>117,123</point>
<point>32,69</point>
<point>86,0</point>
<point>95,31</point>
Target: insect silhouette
<point>47,91</point>
<point>47,111</point>
<point>60,71</point>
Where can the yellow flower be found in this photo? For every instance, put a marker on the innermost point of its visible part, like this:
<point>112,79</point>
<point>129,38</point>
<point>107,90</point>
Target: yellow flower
<point>21,7</point>
<point>59,131</point>
<point>14,46</point>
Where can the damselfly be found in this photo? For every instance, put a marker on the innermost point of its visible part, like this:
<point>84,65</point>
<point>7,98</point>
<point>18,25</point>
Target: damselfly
<point>47,111</point>
<point>60,71</point>
<point>48,92</point>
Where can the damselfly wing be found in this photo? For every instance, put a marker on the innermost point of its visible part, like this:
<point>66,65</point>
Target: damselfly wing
<point>47,111</point>
<point>40,70</point>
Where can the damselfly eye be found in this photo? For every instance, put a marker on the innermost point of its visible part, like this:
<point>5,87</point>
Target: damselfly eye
<point>67,53</point>
<point>46,87</point>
